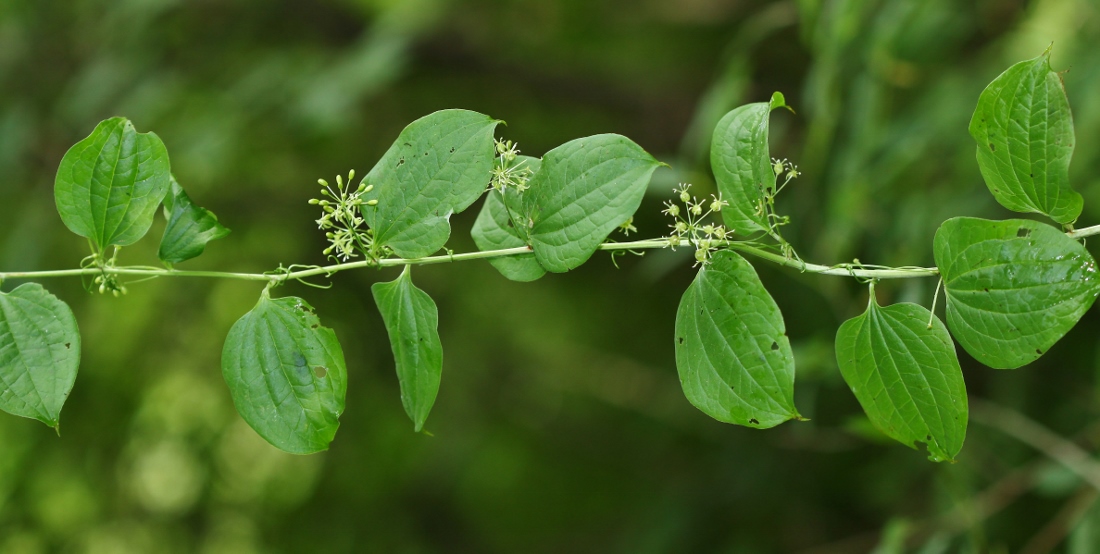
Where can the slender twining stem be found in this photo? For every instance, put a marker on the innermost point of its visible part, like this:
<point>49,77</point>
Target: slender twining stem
<point>856,269</point>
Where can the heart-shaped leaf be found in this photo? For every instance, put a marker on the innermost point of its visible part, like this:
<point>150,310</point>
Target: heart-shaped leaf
<point>110,184</point>
<point>742,164</point>
<point>906,376</point>
<point>1013,287</point>
<point>1024,132</point>
<point>439,165</point>
<point>732,352</point>
<point>286,374</point>
<point>584,189</point>
<point>39,353</point>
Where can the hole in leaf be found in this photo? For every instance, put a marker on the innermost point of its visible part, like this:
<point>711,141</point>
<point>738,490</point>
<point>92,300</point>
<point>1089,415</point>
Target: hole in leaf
<point>68,345</point>
<point>400,161</point>
<point>681,340</point>
<point>775,345</point>
<point>320,371</point>
<point>754,421</point>
<point>314,326</point>
<point>452,149</point>
<point>1039,352</point>
<point>1023,232</point>
<point>992,148</point>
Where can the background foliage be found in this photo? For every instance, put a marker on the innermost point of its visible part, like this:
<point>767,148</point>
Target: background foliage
<point>561,425</point>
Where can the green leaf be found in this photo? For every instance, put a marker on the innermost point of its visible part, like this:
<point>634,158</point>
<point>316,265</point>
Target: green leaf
<point>584,190</point>
<point>110,184</point>
<point>439,165</point>
<point>906,376</point>
<point>39,353</point>
<point>742,164</point>
<point>412,322</point>
<point>1013,287</point>
<point>495,230</point>
<point>189,228</point>
<point>1024,132</point>
<point>732,352</point>
<point>286,374</point>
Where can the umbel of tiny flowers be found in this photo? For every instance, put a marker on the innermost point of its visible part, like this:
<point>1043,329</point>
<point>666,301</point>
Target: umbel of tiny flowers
<point>688,223</point>
<point>507,173</point>
<point>340,217</point>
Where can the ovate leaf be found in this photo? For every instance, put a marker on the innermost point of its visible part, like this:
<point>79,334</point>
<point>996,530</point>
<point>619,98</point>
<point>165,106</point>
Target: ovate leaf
<point>438,166</point>
<point>39,353</point>
<point>412,322</point>
<point>286,374</point>
<point>742,164</point>
<point>110,184</point>
<point>1024,132</point>
<point>732,352</point>
<point>1013,287</point>
<point>189,228</point>
<point>495,229</point>
<point>906,376</point>
<point>584,190</point>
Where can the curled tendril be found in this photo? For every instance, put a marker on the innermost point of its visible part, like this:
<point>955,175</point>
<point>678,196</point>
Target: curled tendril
<point>286,272</point>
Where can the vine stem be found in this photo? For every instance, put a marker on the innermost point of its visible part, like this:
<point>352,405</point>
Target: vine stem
<point>842,270</point>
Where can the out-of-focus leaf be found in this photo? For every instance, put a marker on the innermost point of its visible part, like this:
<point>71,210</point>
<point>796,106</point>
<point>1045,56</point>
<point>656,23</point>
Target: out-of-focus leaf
<point>496,228</point>
<point>1024,132</point>
<point>1013,287</point>
<point>438,166</point>
<point>189,228</point>
<point>584,189</point>
<point>412,321</point>
<point>39,353</point>
<point>109,185</point>
<point>286,374</point>
<point>732,352</point>
<point>906,376</point>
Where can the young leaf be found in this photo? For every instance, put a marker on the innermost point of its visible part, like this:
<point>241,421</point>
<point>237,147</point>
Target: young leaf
<point>1013,287</point>
<point>39,353</point>
<point>584,190</point>
<point>732,352</point>
<point>412,322</point>
<point>1024,132</point>
<point>109,185</point>
<point>496,228</point>
<point>438,165</point>
<point>189,228</point>
<point>906,376</point>
<point>286,374</point>
<point>742,164</point>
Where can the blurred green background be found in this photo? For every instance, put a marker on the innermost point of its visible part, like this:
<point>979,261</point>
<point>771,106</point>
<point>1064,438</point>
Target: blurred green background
<point>560,425</point>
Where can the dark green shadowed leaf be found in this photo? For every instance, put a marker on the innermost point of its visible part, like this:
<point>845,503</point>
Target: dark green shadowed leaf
<point>109,185</point>
<point>584,190</point>
<point>742,164</point>
<point>1013,287</point>
<point>39,353</point>
<point>906,376</point>
<point>286,374</point>
<point>495,230</point>
<point>439,165</point>
<point>1024,132</point>
<point>189,228</point>
<point>732,352</point>
<point>412,322</point>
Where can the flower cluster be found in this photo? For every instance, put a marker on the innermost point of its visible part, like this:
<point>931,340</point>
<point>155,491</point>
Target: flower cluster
<point>341,217</point>
<point>689,226</point>
<point>507,173</point>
